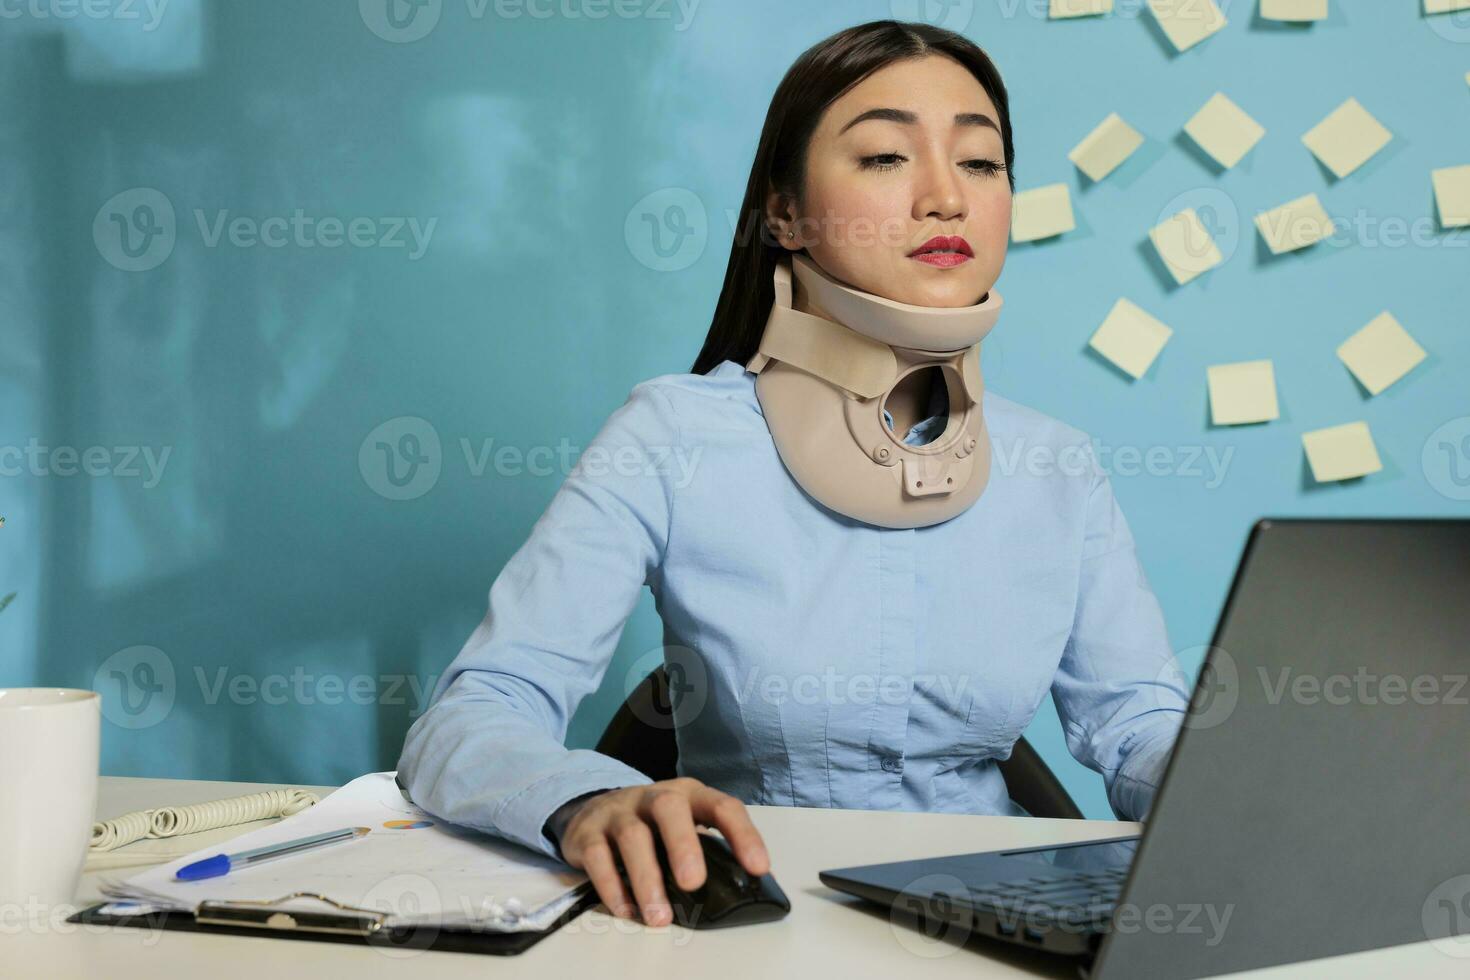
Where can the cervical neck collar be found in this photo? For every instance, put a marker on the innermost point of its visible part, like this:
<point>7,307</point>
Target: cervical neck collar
<point>822,383</point>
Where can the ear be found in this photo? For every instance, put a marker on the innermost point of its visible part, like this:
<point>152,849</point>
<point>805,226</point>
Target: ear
<point>781,219</point>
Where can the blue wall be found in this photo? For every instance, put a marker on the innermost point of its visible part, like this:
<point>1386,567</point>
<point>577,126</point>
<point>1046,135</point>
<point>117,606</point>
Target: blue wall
<point>260,598</point>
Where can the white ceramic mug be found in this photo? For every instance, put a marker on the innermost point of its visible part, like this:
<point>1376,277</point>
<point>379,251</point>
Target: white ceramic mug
<point>50,739</point>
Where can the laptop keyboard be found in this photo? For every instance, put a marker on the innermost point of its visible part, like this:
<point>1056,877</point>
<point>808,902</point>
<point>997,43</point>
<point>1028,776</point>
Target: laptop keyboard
<point>1085,895</point>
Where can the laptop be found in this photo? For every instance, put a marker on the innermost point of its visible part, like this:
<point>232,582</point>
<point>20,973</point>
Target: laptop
<point>1317,797</point>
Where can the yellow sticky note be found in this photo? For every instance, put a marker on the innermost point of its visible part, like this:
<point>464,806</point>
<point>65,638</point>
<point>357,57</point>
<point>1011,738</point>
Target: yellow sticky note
<point>1296,10</point>
<point>1223,130</point>
<point>1130,338</point>
<point>1295,224</point>
<point>1187,22</point>
<point>1347,138</point>
<point>1079,8</point>
<point>1341,452</point>
<point>1185,246</point>
<point>1041,213</point>
<point>1242,392</point>
<point>1445,6</point>
<point>1380,353</point>
<point>1452,191</point>
<point>1103,149</point>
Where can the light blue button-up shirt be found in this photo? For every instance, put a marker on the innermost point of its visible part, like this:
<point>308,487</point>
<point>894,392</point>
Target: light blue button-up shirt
<point>824,661</point>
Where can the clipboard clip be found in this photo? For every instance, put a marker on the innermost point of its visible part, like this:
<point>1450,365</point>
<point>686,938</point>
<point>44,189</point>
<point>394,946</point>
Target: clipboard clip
<point>261,914</point>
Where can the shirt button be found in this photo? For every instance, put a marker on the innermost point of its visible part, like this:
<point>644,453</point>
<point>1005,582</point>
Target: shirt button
<point>891,763</point>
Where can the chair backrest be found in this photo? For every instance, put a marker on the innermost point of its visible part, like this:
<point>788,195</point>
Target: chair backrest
<point>641,735</point>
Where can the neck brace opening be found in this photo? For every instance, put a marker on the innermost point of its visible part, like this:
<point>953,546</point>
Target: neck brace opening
<point>823,385</point>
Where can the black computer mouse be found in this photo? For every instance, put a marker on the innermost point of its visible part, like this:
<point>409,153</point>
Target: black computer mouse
<point>730,895</point>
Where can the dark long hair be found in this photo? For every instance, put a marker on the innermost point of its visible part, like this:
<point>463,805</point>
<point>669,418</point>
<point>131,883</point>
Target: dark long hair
<point>817,79</point>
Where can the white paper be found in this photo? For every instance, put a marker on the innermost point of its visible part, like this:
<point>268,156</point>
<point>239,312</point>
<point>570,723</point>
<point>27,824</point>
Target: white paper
<point>441,874</point>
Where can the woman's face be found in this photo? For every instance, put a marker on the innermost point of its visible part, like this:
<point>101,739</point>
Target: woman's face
<point>911,152</point>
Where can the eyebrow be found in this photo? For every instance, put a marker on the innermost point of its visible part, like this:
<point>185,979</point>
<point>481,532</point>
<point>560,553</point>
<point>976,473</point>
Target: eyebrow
<point>908,118</point>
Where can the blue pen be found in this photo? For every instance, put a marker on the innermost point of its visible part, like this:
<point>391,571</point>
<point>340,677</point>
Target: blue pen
<point>222,864</point>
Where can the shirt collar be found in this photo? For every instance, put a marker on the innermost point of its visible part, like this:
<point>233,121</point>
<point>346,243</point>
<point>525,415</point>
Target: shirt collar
<point>726,368</point>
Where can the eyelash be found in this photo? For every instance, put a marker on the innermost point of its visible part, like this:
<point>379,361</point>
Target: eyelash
<point>987,168</point>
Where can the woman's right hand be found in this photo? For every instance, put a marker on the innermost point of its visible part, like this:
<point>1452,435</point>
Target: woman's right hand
<point>622,822</point>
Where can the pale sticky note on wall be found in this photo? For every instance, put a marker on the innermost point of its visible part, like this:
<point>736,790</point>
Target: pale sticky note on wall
<point>1295,224</point>
<point>1242,392</point>
<point>1079,8</point>
<point>1185,246</point>
<point>1187,22</point>
<point>1347,138</point>
<point>1380,353</point>
<point>1452,192</point>
<point>1295,10</point>
<point>1341,452</point>
<point>1223,130</point>
<point>1130,338</point>
<point>1107,146</point>
<point>1041,213</point>
<point>1445,6</point>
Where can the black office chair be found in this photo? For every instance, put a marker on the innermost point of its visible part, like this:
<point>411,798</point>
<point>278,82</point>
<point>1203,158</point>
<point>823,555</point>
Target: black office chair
<point>641,735</point>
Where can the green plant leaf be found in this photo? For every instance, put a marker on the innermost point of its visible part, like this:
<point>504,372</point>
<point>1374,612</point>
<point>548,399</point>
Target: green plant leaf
<point>6,601</point>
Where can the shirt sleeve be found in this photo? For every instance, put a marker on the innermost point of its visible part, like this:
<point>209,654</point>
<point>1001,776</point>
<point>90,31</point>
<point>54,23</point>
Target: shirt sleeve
<point>1118,688</point>
<point>488,753</point>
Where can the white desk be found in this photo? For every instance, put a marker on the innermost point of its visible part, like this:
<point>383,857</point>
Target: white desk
<point>827,934</point>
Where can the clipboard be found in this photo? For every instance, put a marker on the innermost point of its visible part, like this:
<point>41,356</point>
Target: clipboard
<point>343,924</point>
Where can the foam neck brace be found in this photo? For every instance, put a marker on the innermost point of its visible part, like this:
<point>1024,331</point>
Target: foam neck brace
<point>823,383</point>
<point>928,328</point>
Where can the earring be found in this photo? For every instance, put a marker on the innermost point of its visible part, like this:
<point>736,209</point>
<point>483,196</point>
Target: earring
<point>791,234</point>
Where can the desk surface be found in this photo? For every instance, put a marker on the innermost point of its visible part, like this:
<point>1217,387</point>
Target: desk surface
<point>826,934</point>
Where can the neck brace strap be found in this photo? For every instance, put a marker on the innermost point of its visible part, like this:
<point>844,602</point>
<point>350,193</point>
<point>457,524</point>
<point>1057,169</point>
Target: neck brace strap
<point>838,355</point>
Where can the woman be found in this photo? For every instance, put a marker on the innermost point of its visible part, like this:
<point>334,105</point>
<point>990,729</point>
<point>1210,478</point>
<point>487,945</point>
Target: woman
<point>862,642</point>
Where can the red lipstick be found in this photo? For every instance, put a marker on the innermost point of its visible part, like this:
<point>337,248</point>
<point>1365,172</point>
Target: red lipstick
<point>943,251</point>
